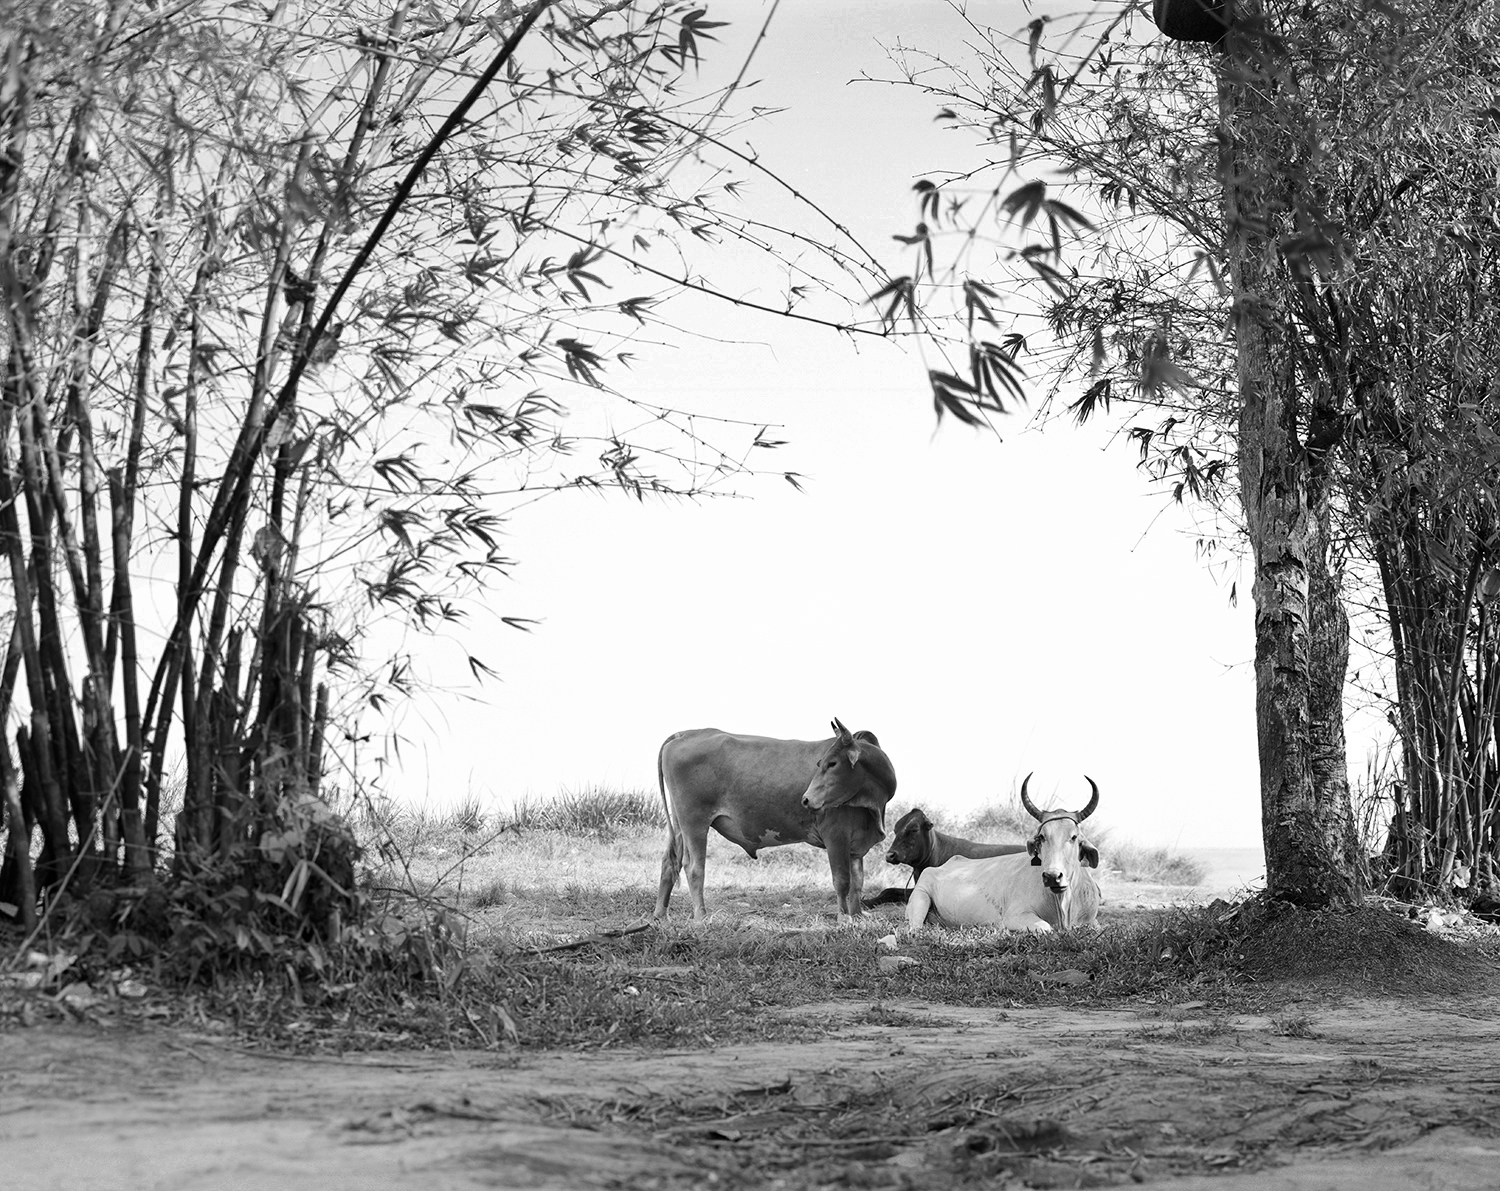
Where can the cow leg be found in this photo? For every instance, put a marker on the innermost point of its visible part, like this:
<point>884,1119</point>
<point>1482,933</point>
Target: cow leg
<point>671,865</point>
<point>1026,920</point>
<point>916,908</point>
<point>694,842</point>
<point>841,864</point>
<point>856,884</point>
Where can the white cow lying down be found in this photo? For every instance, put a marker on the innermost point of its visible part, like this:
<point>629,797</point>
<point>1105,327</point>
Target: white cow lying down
<point>1046,888</point>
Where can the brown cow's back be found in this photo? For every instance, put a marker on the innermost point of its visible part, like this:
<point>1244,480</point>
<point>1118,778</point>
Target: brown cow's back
<point>748,788</point>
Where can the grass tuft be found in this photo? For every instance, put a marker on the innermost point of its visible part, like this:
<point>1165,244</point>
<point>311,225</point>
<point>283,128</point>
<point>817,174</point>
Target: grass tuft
<point>467,817</point>
<point>1151,865</point>
<point>993,822</point>
<point>1292,1023</point>
<point>591,811</point>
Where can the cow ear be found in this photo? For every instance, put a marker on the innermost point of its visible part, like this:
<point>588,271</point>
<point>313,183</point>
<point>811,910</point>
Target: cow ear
<point>853,755</point>
<point>1034,848</point>
<point>1088,854</point>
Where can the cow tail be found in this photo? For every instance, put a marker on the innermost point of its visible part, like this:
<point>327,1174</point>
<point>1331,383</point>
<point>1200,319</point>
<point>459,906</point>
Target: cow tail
<point>674,833</point>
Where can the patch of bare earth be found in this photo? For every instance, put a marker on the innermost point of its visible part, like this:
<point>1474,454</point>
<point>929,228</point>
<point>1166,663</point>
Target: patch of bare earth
<point>1373,1094</point>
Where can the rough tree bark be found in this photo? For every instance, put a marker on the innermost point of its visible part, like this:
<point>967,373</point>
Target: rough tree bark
<point>1301,645</point>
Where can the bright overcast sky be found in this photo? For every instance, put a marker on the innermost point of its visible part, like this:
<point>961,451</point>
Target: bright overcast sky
<point>986,607</point>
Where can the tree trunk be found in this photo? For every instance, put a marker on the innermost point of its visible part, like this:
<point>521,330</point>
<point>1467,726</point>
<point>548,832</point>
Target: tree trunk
<point>1301,646</point>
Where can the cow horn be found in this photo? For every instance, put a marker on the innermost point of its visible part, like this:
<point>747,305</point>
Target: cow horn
<point>1093,802</point>
<point>1027,803</point>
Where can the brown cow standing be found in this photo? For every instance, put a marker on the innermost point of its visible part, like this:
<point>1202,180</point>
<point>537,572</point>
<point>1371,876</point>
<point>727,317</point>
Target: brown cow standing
<point>759,792</point>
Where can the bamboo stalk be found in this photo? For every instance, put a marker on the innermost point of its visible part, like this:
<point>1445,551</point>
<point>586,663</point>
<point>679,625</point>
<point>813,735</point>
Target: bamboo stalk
<point>226,822</point>
<point>305,707</point>
<point>100,762</point>
<point>94,770</point>
<point>62,773</point>
<point>138,850</point>
<point>158,749</point>
<point>18,844</point>
<point>54,858</point>
<point>231,797</point>
<point>197,796</point>
<point>1410,863</point>
<point>320,727</point>
<point>10,671</point>
<point>123,490</point>
<point>231,497</point>
<point>1488,818</point>
<point>269,539</point>
<point>169,668</point>
<point>1450,798</point>
<point>290,711</point>
<point>54,824</point>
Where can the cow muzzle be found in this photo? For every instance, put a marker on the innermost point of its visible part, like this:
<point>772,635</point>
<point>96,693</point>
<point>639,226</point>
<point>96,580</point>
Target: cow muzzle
<point>1055,882</point>
<point>892,858</point>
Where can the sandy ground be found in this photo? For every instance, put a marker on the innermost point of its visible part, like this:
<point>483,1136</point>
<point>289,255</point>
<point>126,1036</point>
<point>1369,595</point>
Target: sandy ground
<point>1384,1095</point>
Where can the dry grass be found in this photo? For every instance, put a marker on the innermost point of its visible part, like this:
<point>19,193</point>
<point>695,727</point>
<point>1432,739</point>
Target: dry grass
<point>1006,821</point>
<point>522,886</point>
<point>599,845</point>
<point>490,930</point>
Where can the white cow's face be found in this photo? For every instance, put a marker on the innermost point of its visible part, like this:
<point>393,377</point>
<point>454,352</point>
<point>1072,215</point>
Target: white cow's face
<point>1059,848</point>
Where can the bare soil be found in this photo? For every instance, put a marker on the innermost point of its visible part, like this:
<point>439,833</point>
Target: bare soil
<point>1323,1092</point>
<point>1368,1094</point>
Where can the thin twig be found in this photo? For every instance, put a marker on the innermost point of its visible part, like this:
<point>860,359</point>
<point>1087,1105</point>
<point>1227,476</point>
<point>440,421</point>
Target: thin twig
<point>602,937</point>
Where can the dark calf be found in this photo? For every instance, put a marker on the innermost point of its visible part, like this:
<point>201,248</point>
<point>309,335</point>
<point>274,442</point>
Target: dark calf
<point>922,846</point>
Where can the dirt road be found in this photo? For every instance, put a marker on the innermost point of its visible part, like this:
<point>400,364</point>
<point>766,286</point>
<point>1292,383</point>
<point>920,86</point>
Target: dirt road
<point>1376,1095</point>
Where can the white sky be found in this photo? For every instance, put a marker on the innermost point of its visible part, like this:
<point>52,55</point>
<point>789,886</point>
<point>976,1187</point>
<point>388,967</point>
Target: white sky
<point>987,608</point>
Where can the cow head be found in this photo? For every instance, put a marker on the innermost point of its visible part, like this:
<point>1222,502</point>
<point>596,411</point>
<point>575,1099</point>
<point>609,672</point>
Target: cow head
<point>1058,847</point>
<point>853,771</point>
<point>912,842</point>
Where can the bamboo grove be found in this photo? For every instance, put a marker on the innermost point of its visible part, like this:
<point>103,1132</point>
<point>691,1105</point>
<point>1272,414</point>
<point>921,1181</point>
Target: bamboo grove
<point>289,294</point>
